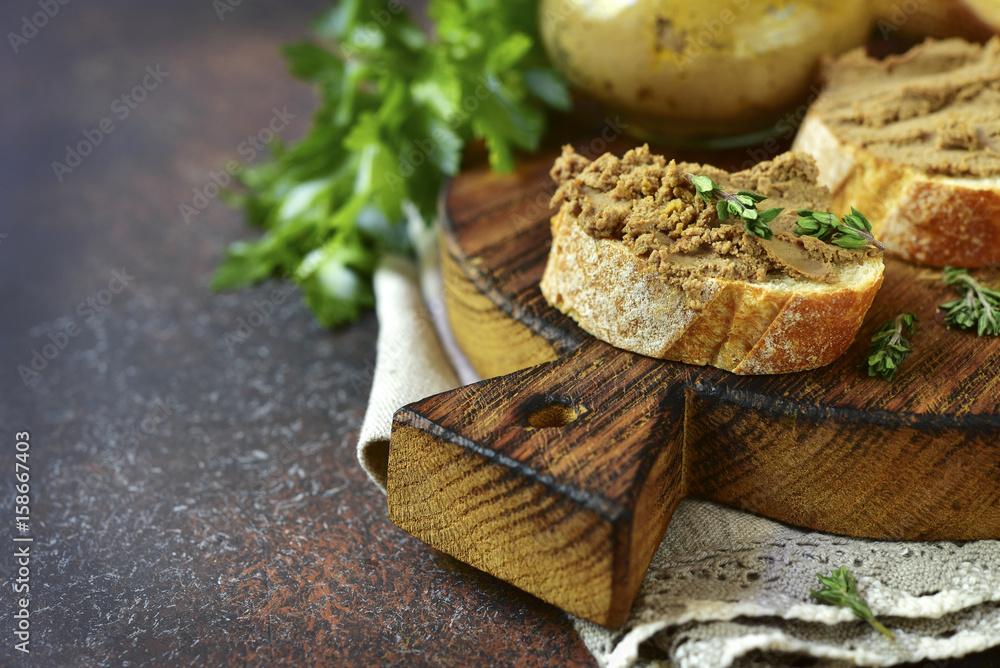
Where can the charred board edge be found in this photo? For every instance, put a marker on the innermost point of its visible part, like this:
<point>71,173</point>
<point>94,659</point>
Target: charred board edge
<point>604,507</point>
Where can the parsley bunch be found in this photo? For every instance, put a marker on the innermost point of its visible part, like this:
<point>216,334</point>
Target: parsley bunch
<point>978,308</point>
<point>396,108</point>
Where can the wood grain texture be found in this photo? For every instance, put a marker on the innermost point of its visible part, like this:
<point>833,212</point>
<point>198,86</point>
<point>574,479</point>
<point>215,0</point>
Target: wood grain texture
<point>830,449</point>
<point>584,500</point>
<point>481,328</point>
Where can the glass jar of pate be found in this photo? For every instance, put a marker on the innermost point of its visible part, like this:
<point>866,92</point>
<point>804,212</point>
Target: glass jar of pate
<point>715,72</point>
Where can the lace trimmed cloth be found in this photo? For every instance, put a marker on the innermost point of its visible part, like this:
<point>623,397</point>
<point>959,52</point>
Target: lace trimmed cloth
<point>730,588</point>
<point>725,588</point>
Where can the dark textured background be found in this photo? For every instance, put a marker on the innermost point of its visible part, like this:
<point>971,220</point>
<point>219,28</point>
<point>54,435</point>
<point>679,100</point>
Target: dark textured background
<point>195,502</point>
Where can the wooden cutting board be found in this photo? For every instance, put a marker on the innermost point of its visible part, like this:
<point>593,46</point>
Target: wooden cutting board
<point>560,472</point>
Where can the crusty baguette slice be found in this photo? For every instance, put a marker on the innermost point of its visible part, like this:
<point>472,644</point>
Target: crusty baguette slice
<point>924,218</point>
<point>780,324</point>
<point>919,210</point>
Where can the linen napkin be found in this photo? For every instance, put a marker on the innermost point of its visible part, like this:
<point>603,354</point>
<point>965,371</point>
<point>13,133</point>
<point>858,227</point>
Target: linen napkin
<point>726,587</point>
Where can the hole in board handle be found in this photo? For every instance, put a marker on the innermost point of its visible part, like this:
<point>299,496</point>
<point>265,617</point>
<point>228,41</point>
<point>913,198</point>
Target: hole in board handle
<point>553,415</point>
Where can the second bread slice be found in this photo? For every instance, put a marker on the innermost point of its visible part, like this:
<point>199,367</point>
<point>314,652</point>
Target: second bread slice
<point>914,142</point>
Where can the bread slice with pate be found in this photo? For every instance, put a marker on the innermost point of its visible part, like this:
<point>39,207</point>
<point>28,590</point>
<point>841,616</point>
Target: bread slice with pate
<point>640,261</point>
<point>914,141</point>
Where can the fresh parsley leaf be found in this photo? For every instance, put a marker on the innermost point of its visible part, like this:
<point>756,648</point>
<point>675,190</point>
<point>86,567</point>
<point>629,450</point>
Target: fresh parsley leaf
<point>396,109</point>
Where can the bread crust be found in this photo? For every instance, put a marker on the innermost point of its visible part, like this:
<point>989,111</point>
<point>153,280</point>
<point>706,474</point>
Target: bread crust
<point>926,219</point>
<point>779,326</point>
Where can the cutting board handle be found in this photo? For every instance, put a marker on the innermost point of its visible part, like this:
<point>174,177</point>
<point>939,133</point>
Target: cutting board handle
<point>560,479</point>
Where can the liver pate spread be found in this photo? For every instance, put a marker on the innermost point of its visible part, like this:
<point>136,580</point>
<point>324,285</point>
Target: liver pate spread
<point>647,203</point>
<point>935,108</point>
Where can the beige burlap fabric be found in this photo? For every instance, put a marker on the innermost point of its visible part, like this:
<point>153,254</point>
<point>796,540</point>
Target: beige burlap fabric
<point>410,363</point>
<point>726,587</point>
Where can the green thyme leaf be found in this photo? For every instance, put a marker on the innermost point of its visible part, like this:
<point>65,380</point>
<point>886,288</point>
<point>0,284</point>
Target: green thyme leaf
<point>850,243</point>
<point>768,215</point>
<point>754,197</point>
<point>825,218</point>
<point>702,184</point>
<point>857,215</point>
<point>840,589</point>
<point>854,231</point>
<point>722,208</point>
<point>762,230</point>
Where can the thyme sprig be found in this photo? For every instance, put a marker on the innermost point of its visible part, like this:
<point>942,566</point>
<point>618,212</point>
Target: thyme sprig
<point>742,204</point>
<point>853,231</point>
<point>840,589</point>
<point>888,347</point>
<point>978,308</point>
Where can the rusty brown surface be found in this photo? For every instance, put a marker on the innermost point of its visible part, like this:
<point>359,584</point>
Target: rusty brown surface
<point>196,502</point>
